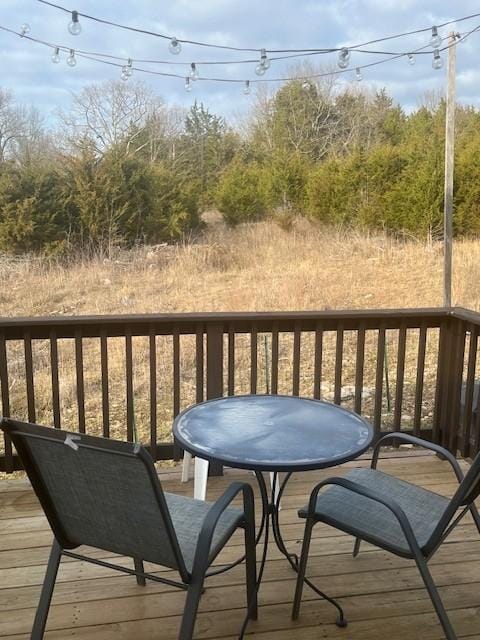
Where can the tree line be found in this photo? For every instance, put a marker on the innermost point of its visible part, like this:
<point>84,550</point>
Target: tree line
<point>123,167</point>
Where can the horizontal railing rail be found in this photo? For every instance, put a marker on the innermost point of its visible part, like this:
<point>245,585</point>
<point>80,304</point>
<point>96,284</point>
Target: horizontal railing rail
<point>128,376</point>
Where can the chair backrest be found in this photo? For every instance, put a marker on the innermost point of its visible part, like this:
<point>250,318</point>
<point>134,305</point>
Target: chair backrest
<point>467,491</point>
<point>98,492</point>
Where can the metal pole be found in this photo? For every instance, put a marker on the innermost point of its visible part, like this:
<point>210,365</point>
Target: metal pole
<point>449,165</point>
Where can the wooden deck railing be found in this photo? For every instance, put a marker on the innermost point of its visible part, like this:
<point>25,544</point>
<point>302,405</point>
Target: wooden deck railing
<point>128,376</point>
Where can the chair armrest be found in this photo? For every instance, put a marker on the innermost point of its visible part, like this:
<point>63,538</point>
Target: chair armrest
<point>445,454</point>
<point>213,516</point>
<point>371,494</point>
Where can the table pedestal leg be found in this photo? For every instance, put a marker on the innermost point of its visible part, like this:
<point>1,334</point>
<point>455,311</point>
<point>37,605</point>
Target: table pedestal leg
<point>271,516</point>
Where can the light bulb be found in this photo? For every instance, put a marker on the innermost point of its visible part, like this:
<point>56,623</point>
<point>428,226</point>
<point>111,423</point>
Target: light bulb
<point>260,69</point>
<point>306,85</point>
<point>264,61</point>
<point>74,26</point>
<point>188,84</point>
<point>246,88</point>
<point>194,71</point>
<point>71,60</point>
<point>437,62</point>
<point>128,67</point>
<point>24,29</point>
<point>56,56</point>
<point>411,58</point>
<point>174,47</point>
<point>435,40</point>
<point>358,74</point>
<point>343,58</point>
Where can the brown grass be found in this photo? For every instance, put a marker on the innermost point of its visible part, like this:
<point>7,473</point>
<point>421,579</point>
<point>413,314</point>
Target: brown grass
<point>256,267</point>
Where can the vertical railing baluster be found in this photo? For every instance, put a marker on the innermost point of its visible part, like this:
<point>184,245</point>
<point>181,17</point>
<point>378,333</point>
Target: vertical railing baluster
<point>377,411</point>
<point>5,401</point>
<point>55,380</point>
<point>360,362</point>
<point>274,378</point>
<point>422,345</point>
<point>402,342</point>
<point>337,396</point>
<point>215,371</point>
<point>318,361</point>
<point>253,359</point>
<point>27,347</point>
<point>80,380</point>
<point>469,390</point>
<point>231,362</point>
<point>459,340</point>
<point>105,389</point>
<point>176,384</point>
<point>152,351</point>
<point>296,360</point>
<point>199,365</point>
<point>441,381</point>
<point>129,385</point>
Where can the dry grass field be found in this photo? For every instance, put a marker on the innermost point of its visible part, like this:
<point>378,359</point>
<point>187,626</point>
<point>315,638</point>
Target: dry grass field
<point>251,268</point>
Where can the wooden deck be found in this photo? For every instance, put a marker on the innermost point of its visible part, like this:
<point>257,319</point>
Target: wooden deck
<point>382,595</point>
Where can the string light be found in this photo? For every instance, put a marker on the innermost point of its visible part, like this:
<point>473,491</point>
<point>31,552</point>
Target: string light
<point>56,55</point>
<point>24,29</point>
<point>246,88</point>
<point>194,71</point>
<point>118,62</point>
<point>343,58</point>
<point>358,74</point>
<point>127,70</point>
<point>303,51</point>
<point>71,60</point>
<point>264,61</point>
<point>188,84</point>
<point>411,59</point>
<point>437,62</point>
<point>435,40</point>
<point>74,26</point>
<point>174,47</point>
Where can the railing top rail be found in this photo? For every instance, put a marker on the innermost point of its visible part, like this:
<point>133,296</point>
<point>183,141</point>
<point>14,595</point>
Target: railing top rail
<point>186,323</point>
<point>469,315</point>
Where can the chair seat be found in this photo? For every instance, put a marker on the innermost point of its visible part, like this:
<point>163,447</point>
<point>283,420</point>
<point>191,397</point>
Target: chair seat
<point>188,516</point>
<point>374,522</point>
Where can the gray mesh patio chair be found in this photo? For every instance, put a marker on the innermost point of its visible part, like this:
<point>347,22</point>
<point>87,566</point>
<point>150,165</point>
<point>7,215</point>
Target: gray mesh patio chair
<point>395,515</point>
<point>106,494</point>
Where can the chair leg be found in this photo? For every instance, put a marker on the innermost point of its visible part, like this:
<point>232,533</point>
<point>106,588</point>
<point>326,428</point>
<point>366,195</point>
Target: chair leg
<point>187,458</point>
<point>435,598</point>
<point>251,571</point>
<point>47,592</point>
<point>302,568</point>
<point>475,516</point>
<point>201,479</point>
<point>139,567</point>
<point>191,607</point>
<point>356,547</point>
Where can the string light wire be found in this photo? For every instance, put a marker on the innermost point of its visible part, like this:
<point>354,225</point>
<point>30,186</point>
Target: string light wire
<point>120,65</point>
<point>256,49</point>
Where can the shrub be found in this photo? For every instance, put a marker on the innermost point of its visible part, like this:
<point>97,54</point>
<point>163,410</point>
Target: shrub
<point>241,194</point>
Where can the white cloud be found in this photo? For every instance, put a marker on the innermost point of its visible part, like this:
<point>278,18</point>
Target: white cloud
<point>26,69</point>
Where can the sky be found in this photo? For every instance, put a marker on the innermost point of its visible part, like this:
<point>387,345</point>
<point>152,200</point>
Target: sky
<point>29,74</point>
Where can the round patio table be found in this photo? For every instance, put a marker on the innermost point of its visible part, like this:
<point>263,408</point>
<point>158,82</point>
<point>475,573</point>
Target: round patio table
<point>273,433</point>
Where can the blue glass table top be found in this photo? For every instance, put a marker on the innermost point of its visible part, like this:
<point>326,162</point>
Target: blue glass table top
<point>272,433</point>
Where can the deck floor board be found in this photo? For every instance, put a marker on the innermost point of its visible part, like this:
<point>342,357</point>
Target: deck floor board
<point>382,595</point>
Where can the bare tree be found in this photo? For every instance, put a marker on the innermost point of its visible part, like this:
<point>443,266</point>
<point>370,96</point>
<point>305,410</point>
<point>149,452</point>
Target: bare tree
<point>12,125</point>
<point>115,114</point>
